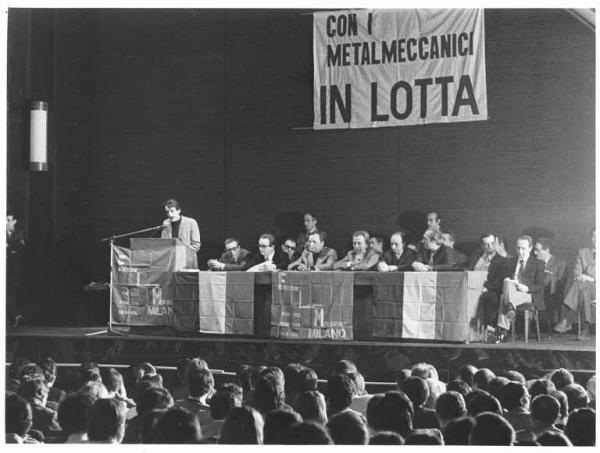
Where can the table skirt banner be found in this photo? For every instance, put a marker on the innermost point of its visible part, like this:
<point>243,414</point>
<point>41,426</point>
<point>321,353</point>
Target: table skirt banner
<point>226,302</point>
<point>312,305</point>
<point>423,305</point>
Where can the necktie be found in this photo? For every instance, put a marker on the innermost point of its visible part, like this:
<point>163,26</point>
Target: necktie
<point>431,258</point>
<point>520,271</point>
<point>311,260</point>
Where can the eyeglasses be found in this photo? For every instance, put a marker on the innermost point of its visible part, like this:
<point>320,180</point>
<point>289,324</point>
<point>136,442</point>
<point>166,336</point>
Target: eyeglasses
<point>230,249</point>
<point>264,246</point>
<point>289,247</point>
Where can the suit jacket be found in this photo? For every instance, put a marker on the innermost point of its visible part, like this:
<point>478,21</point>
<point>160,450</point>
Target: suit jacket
<point>368,262</point>
<point>241,263</point>
<point>585,263</point>
<point>404,262</point>
<point>556,275</point>
<point>442,258</point>
<point>45,420</point>
<point>459,260</point>
<point>280,259</point>
<point>497,272</point>
<point>322,261</point>
<point>533,276</point>
<point>189,233</point>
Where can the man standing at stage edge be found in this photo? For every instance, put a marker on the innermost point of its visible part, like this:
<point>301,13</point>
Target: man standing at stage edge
<point>15,246</point>
<point>179,226</point>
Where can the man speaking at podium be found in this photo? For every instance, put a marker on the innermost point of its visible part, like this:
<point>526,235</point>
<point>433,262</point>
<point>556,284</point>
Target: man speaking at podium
<point>178,226</point>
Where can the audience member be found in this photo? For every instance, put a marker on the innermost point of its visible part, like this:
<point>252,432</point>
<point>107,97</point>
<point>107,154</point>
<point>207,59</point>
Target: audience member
<point>513,375</point>
<point>417,391</point>
<point>200,383</point>
<point>386,438</point>
<point>576,395</point>
<point>561,378</point>
<point>515,401</point>
<point>491,429</point>
<point>581,427</point>
<point>181,392</point>
<point>220,404</point>
<point>106,421</point>
<point>338,394</point>
<point>466,373</point>
<point>276,422</point>
<point>458,386</point>
<point>457,432</point>
<point>482,379</point>
<point>147,399</point>
<point>479,401</point>
<point>496,386</point>
<point>450,406</point>
<point>545,411</point>
<point>55,395</point>
<point>563,401</point>
<point>373,422</point>
<point>553,439</point>
<point>540,387</point>
<point>306,433</point>
<point>177,426</point>
<point>269,394</point>
<point>394,412</point>
<point>311,406</point>
<point>35,391</point>
<point>148,425</point>
<point>73,417</point>
<point>243,425</point>
<point>348,428</point>
<point>425,437</point>
<point>18,420</point>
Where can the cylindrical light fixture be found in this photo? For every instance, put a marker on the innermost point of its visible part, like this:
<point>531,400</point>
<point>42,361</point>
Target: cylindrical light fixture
<point>38,144</point>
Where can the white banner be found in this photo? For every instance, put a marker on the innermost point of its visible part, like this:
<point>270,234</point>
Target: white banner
<point>377,68</point>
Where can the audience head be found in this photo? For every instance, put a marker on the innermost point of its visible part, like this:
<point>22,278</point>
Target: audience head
<point>416,389</point>
<point>553,439</point>
<point>458,386</point>
<point>306,433</point>
<point>149,421</point>
<point>48,366</point>
<point>386,438</point>
<point>436,388</point>
<point>482,378</point>
<point>200,382</point>
<point>269,393</point>
<point>372,411</point>
<point>545,410</point>
<point>456,432</point>
<point>515,396</point>
<point>496,387</point>
<point>424,371</point>
<point>235,390</point>
<point>394,412</point>
<point>244,377</point>
<point>182,367</point>
<point>113,380</point>
<point>94,388</point>
<point>338,393</point>
<point>18,416</point>
<point>560,396</point>
<point>276,422</point>
<point>541,387</point>
<point>491,429</point>
<point>222,402</point>
<point>466,373</point>
<point>243,425</point>
<point>73,412</point>
<point>348,428</point>
<point>450,406</point>
<point>561,378</point>
<point>425,437</point>
<point>344,366</point>
<point>581,427</point>
<point>84,368</point>
<point>479,401</point>
<point>290,373</point>
<point>403,375</point>
<point>106,421</point>
<point>177,426</point>
<point>311,406</point>
<point>306,380</point>
<point>153,398</point>
<point>513,375</point>
<point>576,395</point>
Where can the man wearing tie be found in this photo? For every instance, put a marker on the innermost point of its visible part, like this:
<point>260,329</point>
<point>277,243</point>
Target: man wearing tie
<point>525,285</point>
<point>399,258</point>
<point>361,257</point>
<point>269,259</point>
<point>317,257</point>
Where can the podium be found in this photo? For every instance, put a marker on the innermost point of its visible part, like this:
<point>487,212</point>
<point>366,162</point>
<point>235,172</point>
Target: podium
<point>142,275</point>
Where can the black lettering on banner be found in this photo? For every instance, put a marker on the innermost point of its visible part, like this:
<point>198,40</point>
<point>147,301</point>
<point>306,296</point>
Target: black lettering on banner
<point>463,50</point>
<point>374,59</point>
<point>344,105</point>
<point>365,54</point>
<point>394,100</point>
<point>423,54</point>
<point>471,43</point>
<point>412,56</point>
<point>346,56</point>
<point>401,50</point>
<point>370,23</point>
<point>453,44</point>
<point>334,58</point>
<point>465,85</point>
<point>330,30</point>
<point>323,103</point>
<point>352,25</point>
<point>423,83</point>
<point>388,53</point>
<point>357,46</point>
<point>444,81</point>
<point>434,49</point>
<point>446,44</point>
<point>374,115</point>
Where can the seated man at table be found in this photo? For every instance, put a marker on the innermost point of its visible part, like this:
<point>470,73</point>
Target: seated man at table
<point>361,257</point>
<point>524,285</point>
<point>582,291</point>
<point>234,258</point>
<point>481,260</point>
<point>459,260</point>
<point>269,258</point>
<point>317,257</point>
<point>399,257</point>
<point>289,248</point>
<point>433,255</point>
<point>556,276</point>
<point>376,244</point>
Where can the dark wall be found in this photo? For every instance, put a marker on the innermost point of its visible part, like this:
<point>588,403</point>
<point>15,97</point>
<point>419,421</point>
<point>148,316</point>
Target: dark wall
<point>214,108</point>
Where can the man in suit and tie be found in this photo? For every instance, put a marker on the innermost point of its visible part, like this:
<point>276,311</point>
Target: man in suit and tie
<point>318,257</point>
<point>179,226</point>
<point>269,259</point>
<point>399,257</point>
<point>525,283</point>
<point>556,277</point>
<point>234,258</point>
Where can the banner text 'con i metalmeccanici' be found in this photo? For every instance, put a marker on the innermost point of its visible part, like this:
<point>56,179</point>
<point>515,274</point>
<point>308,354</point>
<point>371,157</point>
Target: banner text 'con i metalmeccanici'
<point>376,68</point>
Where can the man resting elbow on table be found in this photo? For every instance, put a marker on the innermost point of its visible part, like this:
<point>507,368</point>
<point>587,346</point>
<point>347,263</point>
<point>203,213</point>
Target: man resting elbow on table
<point>317,257</point>
<point>361,257</point>
<point>433,255</point>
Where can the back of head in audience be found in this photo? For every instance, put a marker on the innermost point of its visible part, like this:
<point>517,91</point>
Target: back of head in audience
<point>581,427</point>
<point>177,426</point>
<point>153,398</point>
<point>306,380</point>
<point>458,386</point>
<point>479,401</point>
<point>450,406</point>
<point>200,382</point>
<point>73,412</point>
<point>106,421</point>
<point>416,389</point>
<point>269,393</point>
<point>436,388</point>
<point>560,396</point>
<point>496,386</point>
<point>491,429</point>
<point>290,373</point>
<point>373,413</point>
<point>149,421</point>
<point>561,377</point>
<point>403,375</point>
<point>276,422</point>
<point>244,377</point>
<point>306,433</point>
<point>235,389</point>
<point>425,437</point>
<point>394,412</point>
<point>85,367</point>
<point>311,406</point>
<point>466,373</point>
<point>515,397</point>
<point>457,432</point>
<point>344,367</point>
<point>94,388</point>
<point>243,425</point>
<point>48,366</point>
<point>348,428</point>
<point>544,410</point>
<point>553,439</point>
<point>338,393</point>
<point>113,380</point>
<point>424,370</point>
<point>221,403</point>
<point>576,395</point>
<point>513,375</point>
<point>540,387</point>
<point>18,417</point>
<point>482,378</point>
<point>386,438</point>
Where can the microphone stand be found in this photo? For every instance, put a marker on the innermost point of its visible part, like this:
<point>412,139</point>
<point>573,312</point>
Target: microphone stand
<point>109,330</point>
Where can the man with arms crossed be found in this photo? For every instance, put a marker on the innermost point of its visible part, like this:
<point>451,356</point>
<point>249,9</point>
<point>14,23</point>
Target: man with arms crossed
<point>361,257</point>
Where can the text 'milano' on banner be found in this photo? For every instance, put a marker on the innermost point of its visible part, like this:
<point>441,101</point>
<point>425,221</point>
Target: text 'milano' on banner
<point>378,68</point>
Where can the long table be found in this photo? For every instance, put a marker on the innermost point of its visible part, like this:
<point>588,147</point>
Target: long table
<point>421,305</point>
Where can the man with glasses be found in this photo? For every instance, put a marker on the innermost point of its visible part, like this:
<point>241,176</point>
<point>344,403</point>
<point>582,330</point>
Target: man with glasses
<point>317,257</point>
<point>289,248</point>
<point>269,259</point>
<point>234,258</point>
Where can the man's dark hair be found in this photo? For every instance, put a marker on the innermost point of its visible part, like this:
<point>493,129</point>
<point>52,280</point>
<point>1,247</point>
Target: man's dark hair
<point>73,412</point>
<point>243,425</point>
<point>344,366</point>
<point>177,426</point>
<point>106,420</point>
<point>112,380</point>
<point>221,403</point>
<point>153,398</point>
<point>458,386</point>
<point>149,421</point>
<point>306,433</point>
<point>513,375</point>
<point>244,377</point>
<point>291,372</point>
<point>200,382</point>
<point>372,412</point>
<point>545,409</point>
<point>268,236</point>
<point>546,243</point>
<point>514,396</point>
<point>339,392</point>
<point>276,422</point>
<point>416,389</point>
<point>496,387</point>
<point>581,427</point>
<point>311,406</point>
<point>403,375</point>
<point>386,438</point>
<point>234,389</point>
<point>450,406</point>
<point>560,396</point>
<point>479,401</point>
<point>348,428</point>
<point>84,368</point>
<point>268,394</point>
<point>484,235</point>
<point>576,395</point>
<point>541,387</point>
<point>48,366</point>
<point>457,432</point>
<point>18,418</point>
<point>306,380</point>
<point>34,387</point>
<point>424,437</point>
<point>395,413</point>
<point>561,378</point>
<point>322,235</point>
<point>171,203</point>
<point>482,378</point>
<point>154,380</point>
<point>553,439</point>
<point>491,429</point>
<point>466,372</point>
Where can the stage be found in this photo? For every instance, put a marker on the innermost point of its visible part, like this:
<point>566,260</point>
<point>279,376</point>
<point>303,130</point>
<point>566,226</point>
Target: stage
<point>380,361</point>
